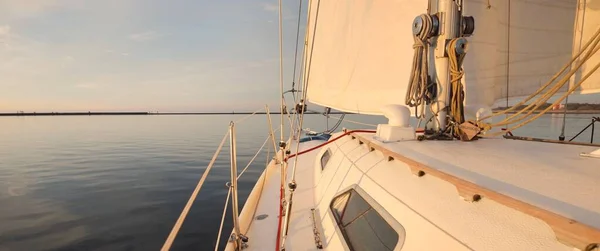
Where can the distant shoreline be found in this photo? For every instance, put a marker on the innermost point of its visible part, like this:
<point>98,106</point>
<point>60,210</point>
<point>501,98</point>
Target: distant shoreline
<point>14,114</point>
<point>562,111</point>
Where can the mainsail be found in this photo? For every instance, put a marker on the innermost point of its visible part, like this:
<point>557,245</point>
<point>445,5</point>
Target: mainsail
<point>517,47</point>
<point>586,24</point>
<point>359,53</point>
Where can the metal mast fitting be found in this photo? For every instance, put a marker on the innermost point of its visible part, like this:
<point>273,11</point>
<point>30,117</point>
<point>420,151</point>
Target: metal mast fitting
<point>437,30</point>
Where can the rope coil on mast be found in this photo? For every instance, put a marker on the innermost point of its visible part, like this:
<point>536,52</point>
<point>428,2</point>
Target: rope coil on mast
<point>457,50</point>
<point>419,89</point>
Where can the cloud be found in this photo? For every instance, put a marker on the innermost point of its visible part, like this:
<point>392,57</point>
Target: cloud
<point>86,85</point>
<point>145,36</point>
<point>4,30</point>
<point>34,8</point>
<point>270,7</point>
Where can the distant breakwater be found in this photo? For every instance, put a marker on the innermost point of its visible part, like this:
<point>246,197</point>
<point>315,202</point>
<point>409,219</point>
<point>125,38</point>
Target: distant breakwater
<point>134,113</point>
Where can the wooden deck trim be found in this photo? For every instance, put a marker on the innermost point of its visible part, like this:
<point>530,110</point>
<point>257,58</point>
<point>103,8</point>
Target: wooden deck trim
<point>567,231</point>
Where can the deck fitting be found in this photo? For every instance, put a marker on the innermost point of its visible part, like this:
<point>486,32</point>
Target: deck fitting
<point>468,194</point>
<point>417,171</point>
<point>592,247</point>
<point>261,217</point>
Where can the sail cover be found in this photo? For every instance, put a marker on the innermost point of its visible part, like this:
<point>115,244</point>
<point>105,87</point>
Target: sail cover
<point>359,53</point>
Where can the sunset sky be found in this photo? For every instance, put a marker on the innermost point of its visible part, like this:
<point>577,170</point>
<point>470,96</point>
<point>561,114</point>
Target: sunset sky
<point>150,55</point>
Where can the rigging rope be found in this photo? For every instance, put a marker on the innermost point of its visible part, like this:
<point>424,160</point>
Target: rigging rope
<point>229,192</point>
<point>281,109</point>
<point>296,50</point>
<point>248,116</point>
<point>222,220</point>
<point>542,88</point>
<point>353,121</point>
<point>538,102</point>
<point>457,95</point>
<point>418,93</point>
<point>171,238</point>
<point>335,127</point>
<point>255,155</point>
<point>282,232</point>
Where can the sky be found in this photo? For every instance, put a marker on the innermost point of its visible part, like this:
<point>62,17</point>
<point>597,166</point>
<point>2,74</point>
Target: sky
<point>146,55</point>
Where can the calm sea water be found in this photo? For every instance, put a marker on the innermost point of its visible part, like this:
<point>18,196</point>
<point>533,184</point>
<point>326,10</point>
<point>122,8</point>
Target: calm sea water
<point>120,182</point>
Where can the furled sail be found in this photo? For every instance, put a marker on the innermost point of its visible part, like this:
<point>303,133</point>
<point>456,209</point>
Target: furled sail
<point>359,53</point>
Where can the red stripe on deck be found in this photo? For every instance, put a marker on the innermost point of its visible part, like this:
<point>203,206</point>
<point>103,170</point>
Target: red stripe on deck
<point>332,140</point>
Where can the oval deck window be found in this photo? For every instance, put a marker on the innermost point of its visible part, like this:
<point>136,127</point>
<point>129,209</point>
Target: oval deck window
<point>362,226</point>
<point>325,158</point>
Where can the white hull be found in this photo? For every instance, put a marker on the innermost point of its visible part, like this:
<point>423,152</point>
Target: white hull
<point>534,196</point>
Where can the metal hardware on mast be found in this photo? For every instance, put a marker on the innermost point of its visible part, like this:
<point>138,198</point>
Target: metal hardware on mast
<point>449,29</point>
<point>234,195</point>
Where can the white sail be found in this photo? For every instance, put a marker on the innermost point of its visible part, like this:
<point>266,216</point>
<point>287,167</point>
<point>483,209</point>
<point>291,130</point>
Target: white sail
<point>360,53</point>
<point>587,23</point>
<point>535,37</point>
<point>483,61</point>
<point>360,59</point>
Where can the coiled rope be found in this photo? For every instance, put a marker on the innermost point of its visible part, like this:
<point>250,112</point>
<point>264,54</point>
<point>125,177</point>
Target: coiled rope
<point>457,97</point>
<point>417,93</point>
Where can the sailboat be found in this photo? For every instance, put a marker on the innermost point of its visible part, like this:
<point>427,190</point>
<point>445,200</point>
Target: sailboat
<point>454,180</point>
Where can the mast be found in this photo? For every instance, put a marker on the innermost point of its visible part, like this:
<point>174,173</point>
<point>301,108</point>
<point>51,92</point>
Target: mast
<point>450,19</point>
<point>443,30</point>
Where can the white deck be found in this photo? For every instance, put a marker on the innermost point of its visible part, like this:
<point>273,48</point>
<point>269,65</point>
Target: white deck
<point>551,176</point>
<point>262,234</point>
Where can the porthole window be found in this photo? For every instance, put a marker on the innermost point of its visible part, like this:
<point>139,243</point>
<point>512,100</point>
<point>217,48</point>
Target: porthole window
<point>325,158</point>
<point>362,226</point>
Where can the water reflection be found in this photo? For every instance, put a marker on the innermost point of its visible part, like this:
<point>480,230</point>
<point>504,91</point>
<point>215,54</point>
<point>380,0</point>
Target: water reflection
<point>119,182</point>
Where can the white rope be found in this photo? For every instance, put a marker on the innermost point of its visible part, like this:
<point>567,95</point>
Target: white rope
<point>255,155</point>
<point>281,69</point>
<point>353,122</point>
<point>229,192</point>
<point>222,220</point>
<point>301,121</point>
<point>169,242</point>
<point>248,116</point>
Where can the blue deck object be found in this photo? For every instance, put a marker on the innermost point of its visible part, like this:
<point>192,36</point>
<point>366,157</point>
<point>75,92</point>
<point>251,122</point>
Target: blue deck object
<point>324,137</point>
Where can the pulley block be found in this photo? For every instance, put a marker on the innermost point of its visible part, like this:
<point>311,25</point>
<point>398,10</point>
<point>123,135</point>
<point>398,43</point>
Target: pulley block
<point>468,25</point>
<point>419,25</point>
